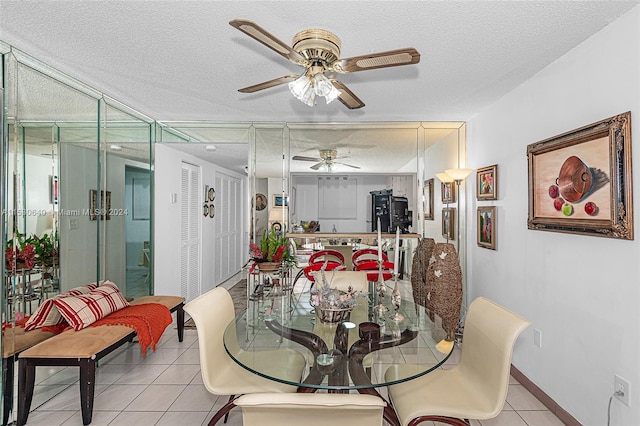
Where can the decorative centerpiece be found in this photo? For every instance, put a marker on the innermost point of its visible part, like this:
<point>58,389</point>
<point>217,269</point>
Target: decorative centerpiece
<point>273,252</point>
<point>332,305</point>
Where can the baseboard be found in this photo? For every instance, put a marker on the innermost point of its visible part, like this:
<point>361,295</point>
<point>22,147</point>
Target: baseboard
<point>548,402</point>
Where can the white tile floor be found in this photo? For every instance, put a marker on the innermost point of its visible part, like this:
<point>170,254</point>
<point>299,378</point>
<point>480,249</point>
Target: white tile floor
<point>165,388</point>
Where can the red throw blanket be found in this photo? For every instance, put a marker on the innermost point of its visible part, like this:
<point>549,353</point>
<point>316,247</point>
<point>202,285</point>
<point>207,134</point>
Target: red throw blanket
<point>148,320</point>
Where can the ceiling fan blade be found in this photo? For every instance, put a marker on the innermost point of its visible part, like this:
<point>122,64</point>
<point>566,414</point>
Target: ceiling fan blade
<point>392,58</point>
<point>347,97</point>
<point>348,165</point>
<point>258,33</point>
<point>303,158</point>
<point>317,166</point>
<point>267,84</point>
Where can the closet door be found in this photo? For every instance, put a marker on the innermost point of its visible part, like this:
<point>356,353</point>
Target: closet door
<point>228,227</point>
<point>190,241</point>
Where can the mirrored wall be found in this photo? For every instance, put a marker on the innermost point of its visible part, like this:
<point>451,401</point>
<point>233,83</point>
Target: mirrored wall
<point>76,188</point>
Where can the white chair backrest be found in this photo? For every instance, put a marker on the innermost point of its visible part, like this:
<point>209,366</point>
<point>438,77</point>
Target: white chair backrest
<point>212,312</point>
<point>343,279</point>
<point>490,332</point>
<point>347,252</point>
<point>310,409</point>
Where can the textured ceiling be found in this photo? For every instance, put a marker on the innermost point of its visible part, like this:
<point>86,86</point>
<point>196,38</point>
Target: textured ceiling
<point>181,60</point>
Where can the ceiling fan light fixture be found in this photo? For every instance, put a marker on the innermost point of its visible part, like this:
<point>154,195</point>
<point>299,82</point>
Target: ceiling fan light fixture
<point>302,89</point>
<point>323,86</point>
<point>332,95</point>
<point>306,88</point>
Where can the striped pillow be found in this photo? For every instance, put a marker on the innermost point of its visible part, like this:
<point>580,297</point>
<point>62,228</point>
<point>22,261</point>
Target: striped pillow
<point>47,313</point>
<point>80,311</point>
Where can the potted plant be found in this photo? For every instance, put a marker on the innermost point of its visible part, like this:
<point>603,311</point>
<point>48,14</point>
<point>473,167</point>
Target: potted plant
<point>21,255</point>
<point>46,249</point>
<point>273,252</point>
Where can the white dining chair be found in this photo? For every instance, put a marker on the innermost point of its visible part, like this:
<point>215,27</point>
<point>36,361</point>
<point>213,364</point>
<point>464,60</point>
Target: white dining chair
<point>476,388</point>
<point>311,409</point>
<point>212,312</point>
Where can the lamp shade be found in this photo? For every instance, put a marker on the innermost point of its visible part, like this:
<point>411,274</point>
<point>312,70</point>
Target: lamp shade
<point>458,174</point>
<point>444,177</point>
<point>278,214</point>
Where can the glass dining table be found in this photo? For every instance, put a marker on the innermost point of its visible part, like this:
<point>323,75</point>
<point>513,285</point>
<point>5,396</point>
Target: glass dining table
<point>351,355</point>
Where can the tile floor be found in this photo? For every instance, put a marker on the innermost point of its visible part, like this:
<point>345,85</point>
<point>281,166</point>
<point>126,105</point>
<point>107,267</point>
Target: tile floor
<point>165,388</point>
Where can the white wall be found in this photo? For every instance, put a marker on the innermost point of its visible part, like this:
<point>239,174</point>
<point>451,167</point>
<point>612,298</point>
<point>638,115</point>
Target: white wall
<point>166,238</point>
<point>438,157</point>
<point>307,202</point>
<point>581,292</point>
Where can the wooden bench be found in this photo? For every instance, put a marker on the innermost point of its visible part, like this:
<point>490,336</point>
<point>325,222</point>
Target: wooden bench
<point>14,341</point>
<point>82,349</point>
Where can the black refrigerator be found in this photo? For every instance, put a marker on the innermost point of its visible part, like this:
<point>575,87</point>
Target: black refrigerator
<point>392,211</point>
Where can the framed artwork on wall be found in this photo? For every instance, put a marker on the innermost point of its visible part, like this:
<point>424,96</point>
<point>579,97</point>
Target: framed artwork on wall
<point>487,183</point>
<point>53,189</point>
<point>580,181</point>
<point>448,190</point>
<point>280,201</point>
<point>448,224</point>
<point>260,201</point>
<point>486,226</point>
<point>427,193</point>
<point>104,211</point>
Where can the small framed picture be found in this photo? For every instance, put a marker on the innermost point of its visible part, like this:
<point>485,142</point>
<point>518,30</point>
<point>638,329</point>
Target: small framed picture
<point>428,199</point>
<point>280,201</point>
<point>487,183</point>
<point>448,227</point>
<point>53,189</point>
<point>260,201</point>
<point>448,190</point>
<point>104,210</point>
<point>486,236</point>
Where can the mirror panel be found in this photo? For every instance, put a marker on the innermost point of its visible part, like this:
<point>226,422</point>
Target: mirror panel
<point>57,139</point>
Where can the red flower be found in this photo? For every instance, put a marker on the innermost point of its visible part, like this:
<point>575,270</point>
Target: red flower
<point>256,253</point>
<point>277,257</point>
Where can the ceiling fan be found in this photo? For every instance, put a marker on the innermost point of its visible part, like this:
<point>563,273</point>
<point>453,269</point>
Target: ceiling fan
<point>327,159</point>
<point>318,51</point>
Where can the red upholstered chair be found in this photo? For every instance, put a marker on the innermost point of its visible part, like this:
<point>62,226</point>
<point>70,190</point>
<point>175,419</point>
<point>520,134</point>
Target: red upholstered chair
<point>331,256</point>
<point>334,260</point>
<point>310,270</point>
<point>371,266</point>
<point>367,254</point>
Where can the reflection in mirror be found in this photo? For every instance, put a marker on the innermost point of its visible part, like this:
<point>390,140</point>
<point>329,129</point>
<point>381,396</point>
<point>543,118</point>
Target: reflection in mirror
<point>56,150</point>
<point>125,150</point>
<point>326,172</point>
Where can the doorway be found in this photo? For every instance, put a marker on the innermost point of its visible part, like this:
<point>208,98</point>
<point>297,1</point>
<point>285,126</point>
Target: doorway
<point>138,231</point>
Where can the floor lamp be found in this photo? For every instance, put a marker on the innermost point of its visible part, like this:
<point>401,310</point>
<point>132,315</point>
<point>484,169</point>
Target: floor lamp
<point>458,175</point>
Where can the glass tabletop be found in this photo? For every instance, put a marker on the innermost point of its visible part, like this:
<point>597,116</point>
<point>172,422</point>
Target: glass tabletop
<point>352,354</point>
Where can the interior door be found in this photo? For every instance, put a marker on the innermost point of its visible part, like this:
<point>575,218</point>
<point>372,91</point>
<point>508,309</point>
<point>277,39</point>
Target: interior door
<point>190,241</point>
<point>228,227</point>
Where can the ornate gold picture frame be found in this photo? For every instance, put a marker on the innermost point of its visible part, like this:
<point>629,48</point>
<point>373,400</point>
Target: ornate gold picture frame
<point>580,182</point>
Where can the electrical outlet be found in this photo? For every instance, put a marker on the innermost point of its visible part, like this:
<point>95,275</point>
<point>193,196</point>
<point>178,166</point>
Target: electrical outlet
<point>621,389</point>
<point>537,337</point>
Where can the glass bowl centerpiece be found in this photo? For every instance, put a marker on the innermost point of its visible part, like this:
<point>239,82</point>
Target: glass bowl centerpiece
<point>274,252</point>
<point>332,305</point>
